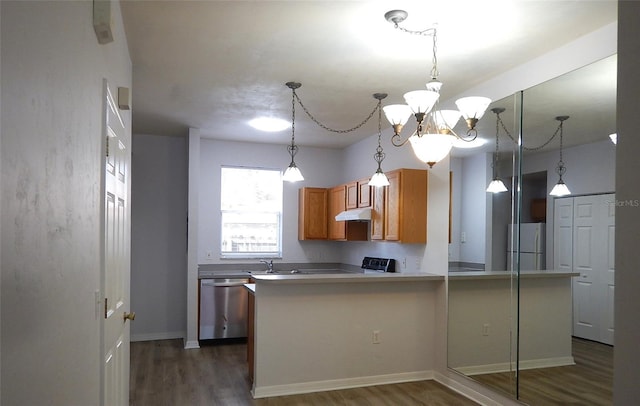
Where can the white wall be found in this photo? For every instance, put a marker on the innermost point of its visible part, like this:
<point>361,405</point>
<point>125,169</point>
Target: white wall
<point>626,375</point>
<point>158,237</point>
<point>52,119</point>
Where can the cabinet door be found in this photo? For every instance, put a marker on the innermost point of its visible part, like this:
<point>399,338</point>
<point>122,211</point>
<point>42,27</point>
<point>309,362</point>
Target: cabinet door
<point>377,213</point>
<point>392,203</point>
<point>364,193</point>
<point>312,214</point>
<point>352,195</point>
<point>337,204</point>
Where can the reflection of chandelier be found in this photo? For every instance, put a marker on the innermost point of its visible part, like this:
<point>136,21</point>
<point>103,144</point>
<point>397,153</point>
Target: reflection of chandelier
<point>496,185</point>
<point>560,189</point>
<point>433,138</point>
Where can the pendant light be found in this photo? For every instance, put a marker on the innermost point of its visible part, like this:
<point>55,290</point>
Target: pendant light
<point>496,185</point>
<point>379,179</point>
<point>292,173</point>
<point>560,189</point>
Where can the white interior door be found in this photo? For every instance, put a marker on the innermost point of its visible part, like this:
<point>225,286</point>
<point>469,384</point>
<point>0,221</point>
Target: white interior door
<point>608,276</point>
<point>585,319</point>
<point>116,259</point>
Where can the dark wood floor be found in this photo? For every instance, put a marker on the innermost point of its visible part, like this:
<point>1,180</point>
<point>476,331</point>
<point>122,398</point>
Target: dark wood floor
<point>163,373</point>
<point>589,382</point>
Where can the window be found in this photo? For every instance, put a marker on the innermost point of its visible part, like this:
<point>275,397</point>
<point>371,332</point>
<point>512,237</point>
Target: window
<point>251,212</point>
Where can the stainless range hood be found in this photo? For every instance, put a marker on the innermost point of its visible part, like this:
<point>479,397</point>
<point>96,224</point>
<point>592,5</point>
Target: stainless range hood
<point>363,214</point>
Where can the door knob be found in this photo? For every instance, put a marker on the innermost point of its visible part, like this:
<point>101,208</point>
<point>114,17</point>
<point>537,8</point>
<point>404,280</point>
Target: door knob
<point>129,316</point>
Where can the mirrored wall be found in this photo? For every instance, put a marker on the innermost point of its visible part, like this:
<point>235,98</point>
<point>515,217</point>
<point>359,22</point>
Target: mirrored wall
<point>531,285</point>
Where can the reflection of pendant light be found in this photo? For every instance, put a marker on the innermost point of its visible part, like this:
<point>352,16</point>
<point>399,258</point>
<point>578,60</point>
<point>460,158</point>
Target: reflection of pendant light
<point>560,189</point>
<point>433,138</point>
<point>496,185</point>
<point>292,173</point>
<point>379,179</point>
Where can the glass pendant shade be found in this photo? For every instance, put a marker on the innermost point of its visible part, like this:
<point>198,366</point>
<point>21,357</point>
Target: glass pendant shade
<point>473,107</point>
<point>496,186</point>
<point>379,179</point>
<point>446,119</point>
<point>292,174</point>
<point>560,189</point>
<point>397,113</point>
<point>421,101</point>
<point>431,148</point>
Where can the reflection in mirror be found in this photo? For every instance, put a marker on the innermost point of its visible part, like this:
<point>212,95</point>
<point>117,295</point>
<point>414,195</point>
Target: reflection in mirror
<point>557,330</point>
<point>482,311</point>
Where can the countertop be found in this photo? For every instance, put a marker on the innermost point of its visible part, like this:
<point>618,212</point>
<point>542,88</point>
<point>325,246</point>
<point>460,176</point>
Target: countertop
<point>549,273</point>
<point>347,278</point>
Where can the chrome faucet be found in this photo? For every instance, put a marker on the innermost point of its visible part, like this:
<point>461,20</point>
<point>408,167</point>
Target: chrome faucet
<point>269,265</point>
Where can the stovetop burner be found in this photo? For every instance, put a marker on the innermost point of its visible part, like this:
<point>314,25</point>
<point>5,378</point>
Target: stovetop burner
<point>371,265</point>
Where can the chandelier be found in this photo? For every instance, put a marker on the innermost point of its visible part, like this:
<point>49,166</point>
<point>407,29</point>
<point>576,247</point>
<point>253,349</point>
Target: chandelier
<point>379,179</point>
<point>292,173</point>
<point>433,137</point>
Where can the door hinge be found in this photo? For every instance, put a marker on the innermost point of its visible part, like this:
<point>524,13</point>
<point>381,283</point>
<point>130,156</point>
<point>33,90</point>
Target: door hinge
<point>106,306</point>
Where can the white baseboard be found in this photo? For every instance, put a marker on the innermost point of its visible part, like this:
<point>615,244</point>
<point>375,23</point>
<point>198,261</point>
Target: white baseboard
<point>335,384</point>
<point>465,390</point>
<point>171,335</point>
<point>191,345</point>
<point>524,364</point>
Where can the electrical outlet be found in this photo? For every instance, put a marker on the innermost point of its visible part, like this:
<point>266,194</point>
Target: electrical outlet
<point>404,263</point>
<point>375,337</point>
<point>463,237</point>
<point>485,329</point>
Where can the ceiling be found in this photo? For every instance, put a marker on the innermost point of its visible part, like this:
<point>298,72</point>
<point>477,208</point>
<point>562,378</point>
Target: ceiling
<point>214,65</point>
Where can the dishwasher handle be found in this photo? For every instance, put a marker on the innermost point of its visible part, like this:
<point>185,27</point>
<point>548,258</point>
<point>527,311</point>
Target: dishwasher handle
<point>223,283</point>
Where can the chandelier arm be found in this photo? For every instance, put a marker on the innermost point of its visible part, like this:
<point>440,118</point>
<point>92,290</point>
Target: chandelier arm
<point>396,140</point>
<point>315,120</point>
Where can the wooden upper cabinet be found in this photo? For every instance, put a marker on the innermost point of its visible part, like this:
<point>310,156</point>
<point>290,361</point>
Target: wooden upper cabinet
<point>312,214</point>
<point>404,207</point>
<point>337,204</point>
<point>364,193</point>
<point>377,213</point>
<point>352,195</point>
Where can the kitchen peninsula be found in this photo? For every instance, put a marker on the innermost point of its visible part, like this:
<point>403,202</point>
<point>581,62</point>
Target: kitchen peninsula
<point>322,332</point>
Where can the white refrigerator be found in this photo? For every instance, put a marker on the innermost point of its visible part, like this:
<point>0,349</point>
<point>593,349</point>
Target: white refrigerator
<point>532,243</point>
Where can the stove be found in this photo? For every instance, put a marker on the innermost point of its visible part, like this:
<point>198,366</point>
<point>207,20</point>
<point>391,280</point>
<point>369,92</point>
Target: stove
<point>378,265</point>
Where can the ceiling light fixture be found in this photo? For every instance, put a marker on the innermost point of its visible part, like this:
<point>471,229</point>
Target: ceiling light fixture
<point>496,185</point>
<point>433,138</point>
<point>379,179</point>
<point>269,124</point>
<point>292,173</point>
<point>560,189</point>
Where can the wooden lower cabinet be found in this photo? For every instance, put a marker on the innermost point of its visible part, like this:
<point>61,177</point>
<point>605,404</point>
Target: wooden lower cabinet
<point>400,209</point>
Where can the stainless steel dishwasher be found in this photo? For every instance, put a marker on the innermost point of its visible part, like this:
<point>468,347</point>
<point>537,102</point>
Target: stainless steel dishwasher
<point>223,308</point>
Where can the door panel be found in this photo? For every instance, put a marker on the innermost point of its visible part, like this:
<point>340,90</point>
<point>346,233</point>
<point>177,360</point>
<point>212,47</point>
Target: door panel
<point>116,258</point>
